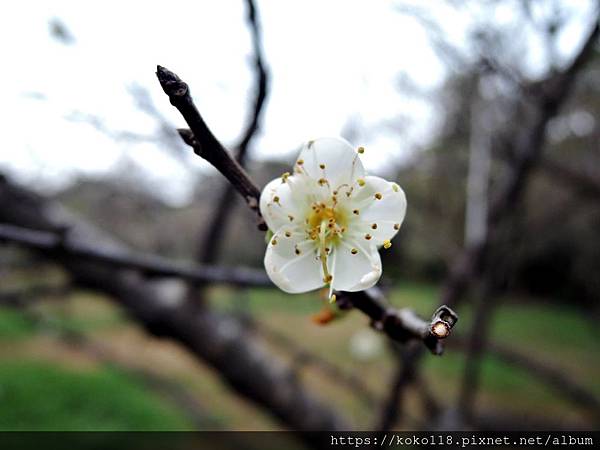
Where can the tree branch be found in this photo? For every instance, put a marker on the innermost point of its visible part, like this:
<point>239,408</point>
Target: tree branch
<point>204,143</point>
<point>216,338</point>
<point>399,325</point>
<point>55,244</point>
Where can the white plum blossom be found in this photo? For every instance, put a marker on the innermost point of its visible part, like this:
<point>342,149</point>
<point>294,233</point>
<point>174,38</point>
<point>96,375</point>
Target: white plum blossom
<point>328,220</point>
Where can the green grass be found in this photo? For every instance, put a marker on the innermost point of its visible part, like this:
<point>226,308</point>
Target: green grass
<point>14,326</point>
<point>51,396</point>
<point>42,396</point>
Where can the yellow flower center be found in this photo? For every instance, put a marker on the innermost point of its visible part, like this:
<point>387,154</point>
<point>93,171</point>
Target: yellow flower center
<point>326,223</point>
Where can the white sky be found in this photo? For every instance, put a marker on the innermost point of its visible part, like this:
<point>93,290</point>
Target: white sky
<point>331,62</point>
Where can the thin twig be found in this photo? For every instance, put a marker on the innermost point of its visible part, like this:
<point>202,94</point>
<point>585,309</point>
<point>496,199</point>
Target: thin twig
<point>204,143</point>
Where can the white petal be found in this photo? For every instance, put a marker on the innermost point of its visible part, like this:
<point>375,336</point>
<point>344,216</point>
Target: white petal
<point>354,272</point>
<point>291,272</point>
<point>340,160</point>
<point>386,213</point>
<point>289,207</point>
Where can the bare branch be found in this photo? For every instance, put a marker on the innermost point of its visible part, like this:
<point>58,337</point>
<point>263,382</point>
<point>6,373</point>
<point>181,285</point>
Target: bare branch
<point>54,244</point>
<point>204,143</point>
<point>399,325</point>
<point>218,339</point>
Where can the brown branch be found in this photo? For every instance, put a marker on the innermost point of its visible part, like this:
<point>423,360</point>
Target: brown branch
<point>54,244</point>
<point>399,325</point>
<point>218,339</point>
<point>204,143</point>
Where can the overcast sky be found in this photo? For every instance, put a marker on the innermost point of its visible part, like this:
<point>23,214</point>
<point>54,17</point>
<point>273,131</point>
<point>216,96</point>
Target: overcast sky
<point>332,63</point>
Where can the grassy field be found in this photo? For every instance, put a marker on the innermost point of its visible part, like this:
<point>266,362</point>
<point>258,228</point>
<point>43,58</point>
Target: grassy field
<point>46,384</point>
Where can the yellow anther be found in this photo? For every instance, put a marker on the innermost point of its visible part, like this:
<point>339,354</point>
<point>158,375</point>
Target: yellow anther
<point>396,226</point>
<point>322,166</point>
<point>361,182</point>
<point>276,199</point>
<point>368,236</point>
<point>327,278</point>
<point>374,226</point>
<point>395,187</point>
<point>300,162</point>
<point>285,176</point>
<point>378,196</point>
<point>291,217</point>
<point>361,150</point>
<point>274,241</point>
<point>387,244</point>
<point>288,234</point>
<point>327,249</point>
<point>322,181</point>
<point>356,211</point>
<point>354,251</point>
<point>332,299</point>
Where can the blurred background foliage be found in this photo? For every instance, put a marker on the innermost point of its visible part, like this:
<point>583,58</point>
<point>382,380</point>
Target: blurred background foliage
<point>75,361</point>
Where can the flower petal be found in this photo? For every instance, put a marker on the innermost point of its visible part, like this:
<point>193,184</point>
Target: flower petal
<point>382,207</point>
<point>292,272</point>
<point>280,204</point>
<point>333,159</point>
<point>355,265</point>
